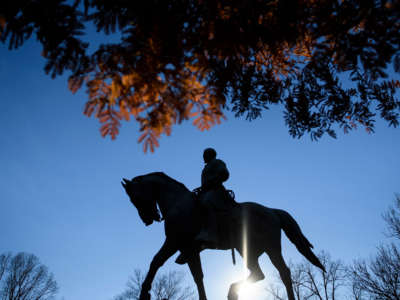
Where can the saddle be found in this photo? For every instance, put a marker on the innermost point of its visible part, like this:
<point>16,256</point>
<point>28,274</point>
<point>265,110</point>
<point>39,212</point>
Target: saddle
<point>226,216</point>
<point>229,196</point>
<point>226,224</point>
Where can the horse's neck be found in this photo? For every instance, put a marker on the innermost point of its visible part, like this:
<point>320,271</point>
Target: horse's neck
<point>172,197</point>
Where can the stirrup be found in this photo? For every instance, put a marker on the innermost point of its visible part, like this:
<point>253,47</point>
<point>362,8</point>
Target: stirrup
<point>231,194</point>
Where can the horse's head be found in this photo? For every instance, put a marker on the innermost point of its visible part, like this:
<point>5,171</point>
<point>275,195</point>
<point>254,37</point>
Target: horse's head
<point>143,196</point>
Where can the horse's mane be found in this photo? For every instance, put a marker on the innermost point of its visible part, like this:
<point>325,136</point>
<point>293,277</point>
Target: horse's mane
<point>162,174</point>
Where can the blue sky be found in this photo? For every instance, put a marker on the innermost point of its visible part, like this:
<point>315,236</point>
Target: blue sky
<point>61,198</point>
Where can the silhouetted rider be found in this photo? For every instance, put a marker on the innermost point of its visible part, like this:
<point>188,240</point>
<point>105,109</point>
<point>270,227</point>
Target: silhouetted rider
<point>214,172</point>
<point>212,196</point>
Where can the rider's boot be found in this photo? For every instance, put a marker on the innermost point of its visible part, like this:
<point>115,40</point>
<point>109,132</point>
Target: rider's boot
<point>208,238</point>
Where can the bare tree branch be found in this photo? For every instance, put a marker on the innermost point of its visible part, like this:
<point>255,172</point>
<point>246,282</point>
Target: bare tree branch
<point>379,278</point>
<point>4,259</point>
<point>23,277</point>
<point>166,286</point>
<point>308,284</point>
<point>392,218</point>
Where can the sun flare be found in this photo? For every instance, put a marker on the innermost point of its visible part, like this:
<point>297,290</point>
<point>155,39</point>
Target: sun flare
<point>248,291</point>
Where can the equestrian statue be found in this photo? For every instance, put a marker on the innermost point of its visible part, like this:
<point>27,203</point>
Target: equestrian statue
<point>210,218</point>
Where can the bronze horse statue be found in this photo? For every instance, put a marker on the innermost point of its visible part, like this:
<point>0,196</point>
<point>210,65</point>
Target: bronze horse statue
<point>256,229</point>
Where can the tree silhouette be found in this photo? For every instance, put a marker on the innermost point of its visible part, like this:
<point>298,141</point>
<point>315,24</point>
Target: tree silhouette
<point>165,287</point>
<point>311,284</point>
<point>375,279</point>
<point>392,219</point>
<point>327,62</point>
<point>379,278</point>
<point>23,277</point>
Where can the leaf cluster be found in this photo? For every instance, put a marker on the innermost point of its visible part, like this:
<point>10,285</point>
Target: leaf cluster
<point>325,61</point>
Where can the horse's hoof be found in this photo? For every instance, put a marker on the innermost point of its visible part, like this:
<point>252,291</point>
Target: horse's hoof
<point>144,296</point>
<point>233,296</point>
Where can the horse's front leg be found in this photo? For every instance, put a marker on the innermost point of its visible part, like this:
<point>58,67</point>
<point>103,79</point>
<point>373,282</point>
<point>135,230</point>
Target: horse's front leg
<point>167,250</point>
<point>194,263</point>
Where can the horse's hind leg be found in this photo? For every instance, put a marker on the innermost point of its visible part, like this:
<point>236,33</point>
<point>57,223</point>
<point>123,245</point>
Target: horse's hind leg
<point>255,275</point>
<point>194,263</point>
<point>277,260</point>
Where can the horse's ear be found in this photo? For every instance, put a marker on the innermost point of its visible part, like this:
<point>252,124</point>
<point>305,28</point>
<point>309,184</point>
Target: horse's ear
<point>124,182</point>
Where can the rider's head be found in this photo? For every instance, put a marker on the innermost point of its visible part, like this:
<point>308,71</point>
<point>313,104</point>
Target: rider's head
<point>209,154</point>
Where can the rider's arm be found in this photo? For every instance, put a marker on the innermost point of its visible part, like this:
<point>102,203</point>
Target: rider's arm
<point>221,171</point>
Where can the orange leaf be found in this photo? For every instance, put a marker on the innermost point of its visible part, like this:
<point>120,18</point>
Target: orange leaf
<point>3,22</point>
<point>104,130</point>
<point>75,83</point>
<point>141,138</point>
<point>104,118</point>
<point>89,108</point>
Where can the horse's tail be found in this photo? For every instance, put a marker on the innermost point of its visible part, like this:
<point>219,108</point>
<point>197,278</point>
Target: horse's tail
<point>293,232</point>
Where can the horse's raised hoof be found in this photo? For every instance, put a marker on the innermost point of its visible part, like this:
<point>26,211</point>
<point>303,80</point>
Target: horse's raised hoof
<point>144,296</point>
<point>233,294</point>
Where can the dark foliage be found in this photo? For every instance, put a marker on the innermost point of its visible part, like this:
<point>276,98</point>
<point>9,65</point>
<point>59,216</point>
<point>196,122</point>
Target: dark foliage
<point>325,61</point>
